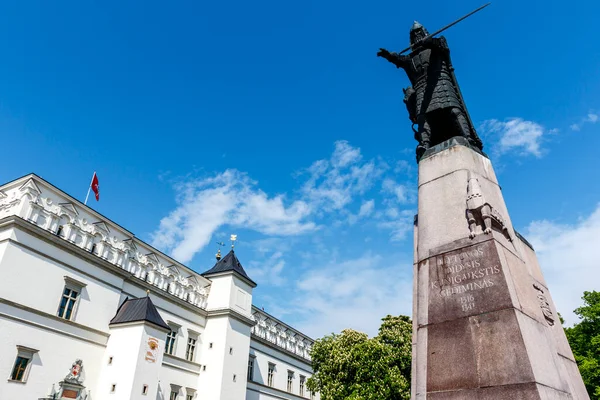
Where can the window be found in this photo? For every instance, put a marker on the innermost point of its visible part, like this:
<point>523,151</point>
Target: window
<point>270,374</point>
<point>231,350</point>
<point>67,303</point>
<point>251,369</point>
<point>18,372</point>
<point>302,379</point>
<point>191,348</point>
<point>110,360</point>
<point>145,389</point>
<point>70,298</point>
<point>190,393</point>
<point>290,381</point>
<point>170,343</point>
<point>113,388</point>
<point>22,365</point>
<point>210,345</point>
<point>234,377</point>
<point>174,392</point>
<point>312,395</point>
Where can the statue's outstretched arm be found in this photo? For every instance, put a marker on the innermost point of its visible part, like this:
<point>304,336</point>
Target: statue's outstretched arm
<point>398,60</point>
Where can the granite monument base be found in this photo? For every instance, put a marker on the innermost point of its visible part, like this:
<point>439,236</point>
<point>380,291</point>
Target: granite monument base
<point>485,325</point>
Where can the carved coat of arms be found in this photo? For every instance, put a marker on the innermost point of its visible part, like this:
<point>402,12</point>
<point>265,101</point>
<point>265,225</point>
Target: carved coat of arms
<point>151,350</point>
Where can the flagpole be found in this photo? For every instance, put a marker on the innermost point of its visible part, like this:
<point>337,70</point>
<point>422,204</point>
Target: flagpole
<point>89,187</point>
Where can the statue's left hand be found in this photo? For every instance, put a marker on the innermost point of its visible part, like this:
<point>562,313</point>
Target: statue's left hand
<point>383,53</point>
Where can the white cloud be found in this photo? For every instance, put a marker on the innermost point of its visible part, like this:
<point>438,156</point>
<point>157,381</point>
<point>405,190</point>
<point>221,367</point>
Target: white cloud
<point>203,205</point>
<point>344,154</point>
<point>398,222</point>
<point>516,134</point>
<point>590,118</point>
<point>366,208</point>
<point>333,183</point>
<point>568,257</point>
<point>403,167</point>
<point>402,193</point>
<point>231,198</point>
<point>269,270</point>
<point>354,293</point>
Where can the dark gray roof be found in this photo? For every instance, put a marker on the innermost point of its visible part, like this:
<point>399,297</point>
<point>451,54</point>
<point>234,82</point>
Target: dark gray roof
<point>133,310</point>
<point>228,263</point>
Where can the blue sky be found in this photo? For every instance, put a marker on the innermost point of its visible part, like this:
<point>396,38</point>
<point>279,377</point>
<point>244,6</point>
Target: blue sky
<point>275,121</point>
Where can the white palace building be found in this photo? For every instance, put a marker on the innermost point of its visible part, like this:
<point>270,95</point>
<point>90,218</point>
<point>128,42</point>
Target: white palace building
<point>88,311</point>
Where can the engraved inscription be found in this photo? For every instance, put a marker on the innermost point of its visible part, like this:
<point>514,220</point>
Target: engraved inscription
<point>464,272</point>
<point>466,282</point>
<point>467,302</point>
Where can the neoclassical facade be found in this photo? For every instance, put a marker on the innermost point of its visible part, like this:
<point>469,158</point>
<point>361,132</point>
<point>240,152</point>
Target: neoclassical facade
<point>89,311</point>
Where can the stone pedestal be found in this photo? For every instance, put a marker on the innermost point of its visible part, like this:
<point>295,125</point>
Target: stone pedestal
<point>485,325</point>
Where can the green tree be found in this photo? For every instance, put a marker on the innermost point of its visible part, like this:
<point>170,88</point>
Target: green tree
<point>584,338</point>
<point>352,366</point>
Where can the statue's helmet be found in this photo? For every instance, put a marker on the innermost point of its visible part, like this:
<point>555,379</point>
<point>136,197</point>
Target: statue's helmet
<point>417,33</point>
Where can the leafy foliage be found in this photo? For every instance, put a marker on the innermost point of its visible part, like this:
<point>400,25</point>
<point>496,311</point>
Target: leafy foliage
<point>584,339</point>
<point>352,366</point>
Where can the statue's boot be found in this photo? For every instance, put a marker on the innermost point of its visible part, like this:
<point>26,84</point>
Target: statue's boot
<point>421,148</point>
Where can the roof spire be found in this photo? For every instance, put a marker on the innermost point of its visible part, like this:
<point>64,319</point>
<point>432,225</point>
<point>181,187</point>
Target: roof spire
<point>218,255</point>
<point>228,263</point>
<point>233,238</point>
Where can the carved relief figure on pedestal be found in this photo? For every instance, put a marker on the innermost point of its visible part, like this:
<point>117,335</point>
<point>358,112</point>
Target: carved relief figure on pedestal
<point>481,212</point>
<point>544,305</point>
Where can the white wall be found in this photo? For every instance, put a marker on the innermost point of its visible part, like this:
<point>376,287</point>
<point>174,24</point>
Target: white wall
<point>181,373</point>
<point>44,275</point>
<point>148,373</point>
<point>51,364</point>
<point>124,346</point>
<point>238,340</point>
<point>211,380</point>
<point>263,355</point>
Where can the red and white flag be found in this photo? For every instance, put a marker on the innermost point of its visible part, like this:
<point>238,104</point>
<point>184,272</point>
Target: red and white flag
<point>96,186</point>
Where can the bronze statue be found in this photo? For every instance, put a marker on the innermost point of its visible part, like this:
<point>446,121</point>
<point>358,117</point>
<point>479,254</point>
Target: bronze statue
<point>434,101</point>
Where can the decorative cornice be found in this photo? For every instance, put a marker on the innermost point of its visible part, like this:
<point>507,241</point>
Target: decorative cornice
<point>25,348</point>
<point>72,248</point>
<point>35,182</point>
<point>133,323</point>
<point>278,393</point>
<point>193,366</point>
<point>276,333</point>
<point>232,272</point>
<point>278,349</point>
<point>220,312</point>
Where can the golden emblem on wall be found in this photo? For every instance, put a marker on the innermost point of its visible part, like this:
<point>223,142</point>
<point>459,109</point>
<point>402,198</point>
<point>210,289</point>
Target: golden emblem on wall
<point>151,350</point>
